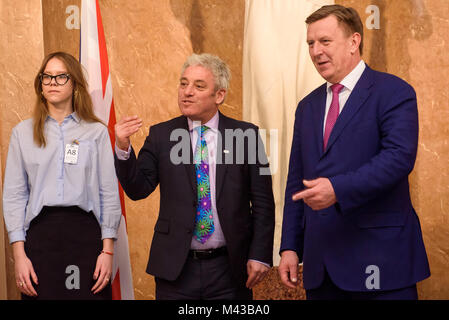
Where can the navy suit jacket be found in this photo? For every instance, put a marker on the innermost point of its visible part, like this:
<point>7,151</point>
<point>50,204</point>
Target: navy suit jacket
<point>370,153</point>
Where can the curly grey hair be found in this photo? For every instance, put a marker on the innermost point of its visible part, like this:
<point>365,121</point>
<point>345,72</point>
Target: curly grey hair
<point>219,69</point>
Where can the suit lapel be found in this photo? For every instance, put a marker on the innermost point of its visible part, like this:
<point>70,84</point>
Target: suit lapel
<point>220,168</point>
<point>318,118</point>
<point>357,98</point>
<point>189,166</point>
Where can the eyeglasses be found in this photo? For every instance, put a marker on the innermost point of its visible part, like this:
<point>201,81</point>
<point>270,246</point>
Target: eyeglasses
<point>61,79</point>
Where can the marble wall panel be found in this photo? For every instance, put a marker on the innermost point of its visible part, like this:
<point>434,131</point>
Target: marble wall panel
<point>61,20</point>
<point>21,48</point>
<point>217,27</point>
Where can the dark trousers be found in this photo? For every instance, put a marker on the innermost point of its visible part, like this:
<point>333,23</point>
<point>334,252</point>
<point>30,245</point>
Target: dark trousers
<point>329,291</point>
<point>203,279</point>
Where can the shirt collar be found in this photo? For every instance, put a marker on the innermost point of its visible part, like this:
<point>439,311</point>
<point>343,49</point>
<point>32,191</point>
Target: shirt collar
<point>73,116</point>
<point>351,79</point>
<point>211,124</point>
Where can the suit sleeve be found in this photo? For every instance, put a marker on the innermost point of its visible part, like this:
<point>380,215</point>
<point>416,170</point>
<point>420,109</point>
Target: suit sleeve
<point>292,223</point>
<point>398,124</point>
<point>139,176</point>
<point>262,206</point>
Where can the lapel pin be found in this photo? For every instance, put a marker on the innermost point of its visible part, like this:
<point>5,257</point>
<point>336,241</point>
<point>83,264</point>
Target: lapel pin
<point>225,151</point>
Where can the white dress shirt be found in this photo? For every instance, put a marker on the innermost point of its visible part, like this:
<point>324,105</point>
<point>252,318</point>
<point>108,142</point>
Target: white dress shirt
<point>348,83</point>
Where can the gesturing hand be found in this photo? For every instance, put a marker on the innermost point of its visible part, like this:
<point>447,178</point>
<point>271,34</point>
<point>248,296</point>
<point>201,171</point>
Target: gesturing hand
<point>319,194</point>
<point>125,128</point>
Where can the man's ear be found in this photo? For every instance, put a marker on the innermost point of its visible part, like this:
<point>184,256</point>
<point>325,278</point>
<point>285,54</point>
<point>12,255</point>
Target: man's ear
<point>356,38</point>
<point>220,96</point>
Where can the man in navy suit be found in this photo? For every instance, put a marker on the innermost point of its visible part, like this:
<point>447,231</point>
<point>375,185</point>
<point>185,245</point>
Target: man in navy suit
<point>348,215</point>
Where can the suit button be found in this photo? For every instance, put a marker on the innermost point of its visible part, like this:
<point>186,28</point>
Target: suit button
<point>189,231</point>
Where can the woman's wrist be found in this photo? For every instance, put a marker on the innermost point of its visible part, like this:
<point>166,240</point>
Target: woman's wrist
<point>18,250</point>
<point>108,246</point>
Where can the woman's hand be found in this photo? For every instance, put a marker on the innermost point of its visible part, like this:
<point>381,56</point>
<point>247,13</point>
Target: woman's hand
<point>24,271</point>
<point>103,268</point>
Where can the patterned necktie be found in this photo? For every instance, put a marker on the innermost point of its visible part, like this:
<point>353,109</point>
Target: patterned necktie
<point>204,222</point>
<point>332,114</point>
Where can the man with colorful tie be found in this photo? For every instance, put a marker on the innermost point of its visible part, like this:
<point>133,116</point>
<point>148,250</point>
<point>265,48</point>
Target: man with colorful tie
<point>348,215</point>
<point>213,238</point>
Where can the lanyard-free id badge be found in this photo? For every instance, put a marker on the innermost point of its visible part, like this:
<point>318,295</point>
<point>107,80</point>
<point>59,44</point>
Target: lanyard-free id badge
<point>71,153</point>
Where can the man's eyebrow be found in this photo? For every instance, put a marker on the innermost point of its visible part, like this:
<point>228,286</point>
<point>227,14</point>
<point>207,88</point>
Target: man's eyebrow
<point>200,81</point>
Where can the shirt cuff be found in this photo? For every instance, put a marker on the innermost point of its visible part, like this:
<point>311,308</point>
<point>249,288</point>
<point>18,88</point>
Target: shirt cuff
<point>265,264</point>
<point>18,235</point>
<point>122,154</point>
<point>108,233</point>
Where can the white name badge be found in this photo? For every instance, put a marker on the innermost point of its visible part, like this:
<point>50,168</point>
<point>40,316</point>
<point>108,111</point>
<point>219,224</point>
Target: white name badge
<point>71,153</point>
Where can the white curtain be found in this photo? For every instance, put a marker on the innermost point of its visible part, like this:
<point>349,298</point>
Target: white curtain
<point>277,74</point>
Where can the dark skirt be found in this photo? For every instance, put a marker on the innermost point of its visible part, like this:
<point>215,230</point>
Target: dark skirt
<point>63,244</point>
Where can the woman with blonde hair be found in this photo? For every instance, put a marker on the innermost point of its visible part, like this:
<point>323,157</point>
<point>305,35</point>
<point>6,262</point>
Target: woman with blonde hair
<point>60,201</point>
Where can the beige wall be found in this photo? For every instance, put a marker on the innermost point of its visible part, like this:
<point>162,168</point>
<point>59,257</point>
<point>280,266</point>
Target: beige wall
<point>147,43</point>
<point>21,47</point>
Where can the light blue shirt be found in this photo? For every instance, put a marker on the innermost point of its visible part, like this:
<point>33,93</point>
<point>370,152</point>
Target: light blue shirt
<point>36,177</point>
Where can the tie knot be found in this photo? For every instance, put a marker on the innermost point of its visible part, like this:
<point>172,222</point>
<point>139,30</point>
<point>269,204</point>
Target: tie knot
<point>202,129</point>
<point>336,88</point>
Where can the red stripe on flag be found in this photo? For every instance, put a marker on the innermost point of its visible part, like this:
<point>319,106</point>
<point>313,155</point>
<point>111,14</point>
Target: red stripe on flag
<point>103,52</point>
<point>116,292</point>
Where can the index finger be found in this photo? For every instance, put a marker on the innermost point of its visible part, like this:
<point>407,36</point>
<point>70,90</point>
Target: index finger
<point>302,194</point>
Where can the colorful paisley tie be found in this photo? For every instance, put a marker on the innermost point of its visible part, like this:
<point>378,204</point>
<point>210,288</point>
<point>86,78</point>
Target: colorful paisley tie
<point>204,222</point>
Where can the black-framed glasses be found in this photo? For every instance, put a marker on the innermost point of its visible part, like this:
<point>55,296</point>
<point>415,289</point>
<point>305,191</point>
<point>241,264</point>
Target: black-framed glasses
<point>61,79</point>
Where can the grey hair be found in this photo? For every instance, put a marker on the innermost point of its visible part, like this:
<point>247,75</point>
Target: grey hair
<point>219,69</point>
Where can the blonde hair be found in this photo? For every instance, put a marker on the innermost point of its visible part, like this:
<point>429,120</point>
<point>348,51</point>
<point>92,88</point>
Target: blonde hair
<point>81,100</point>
